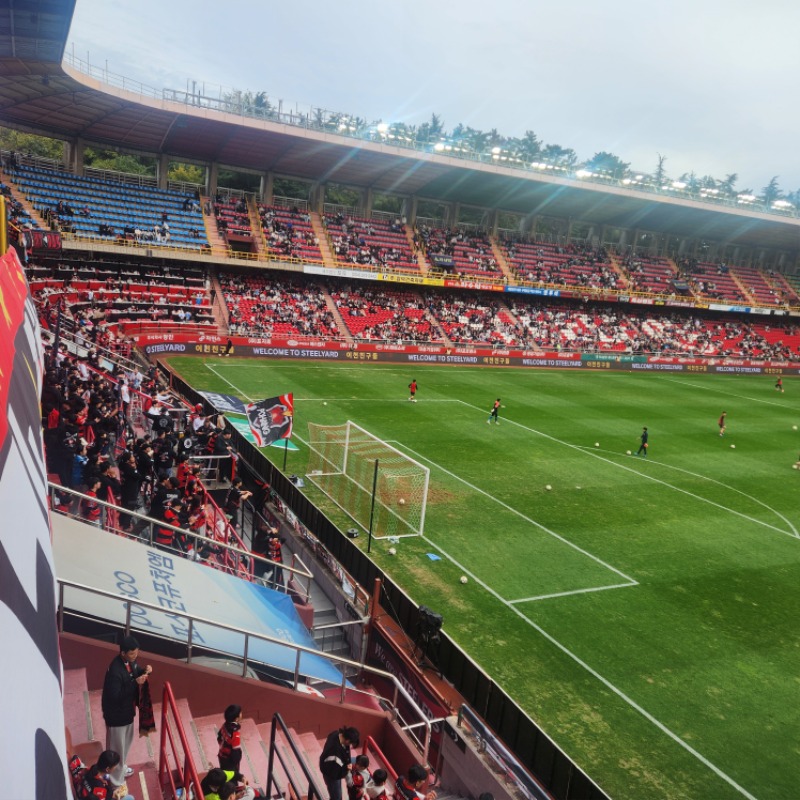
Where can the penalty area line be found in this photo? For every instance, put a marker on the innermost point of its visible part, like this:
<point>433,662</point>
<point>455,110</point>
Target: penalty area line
<point>571,592</point>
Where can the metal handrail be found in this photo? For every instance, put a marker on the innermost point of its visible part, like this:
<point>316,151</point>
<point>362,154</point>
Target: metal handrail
<point>313,789</point>
<point>239,556</point>
<point>299,649</point>
<point>189,780</point>
<point>371,744</point>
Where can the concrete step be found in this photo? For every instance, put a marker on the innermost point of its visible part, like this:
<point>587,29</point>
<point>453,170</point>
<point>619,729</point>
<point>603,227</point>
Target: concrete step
<point>142,750</point>
<point>281,777</point>
<point>77,716</point>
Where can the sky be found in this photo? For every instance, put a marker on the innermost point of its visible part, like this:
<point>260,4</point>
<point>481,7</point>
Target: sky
<point>710,84</point>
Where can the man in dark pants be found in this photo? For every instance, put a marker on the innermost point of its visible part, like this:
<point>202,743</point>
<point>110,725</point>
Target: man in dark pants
<point>334,760</point>
<point>643,445</point>
<point>120,698</point>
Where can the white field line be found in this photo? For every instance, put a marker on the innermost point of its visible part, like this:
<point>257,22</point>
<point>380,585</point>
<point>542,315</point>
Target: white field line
<point>594,673</point>
<point>527,519</point>
<point>595,454</point>
<point>793,530</point>
<point>727,394</point>
<point>607,683</point>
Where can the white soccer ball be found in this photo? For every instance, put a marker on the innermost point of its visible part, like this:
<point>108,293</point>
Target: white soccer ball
<point>597,444</point>
<point>463,579</point>
<point>794,466</point>
<point>628,452</point>
<point>794,427</point>
<point>401,501</point>
<point>392,551</point>
<point>733,447</point>
<point>324,403</point>
<point>548,487</point>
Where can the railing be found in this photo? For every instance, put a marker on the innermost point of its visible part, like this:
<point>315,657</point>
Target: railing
<point>310,790</point>
<point>173,775</point>
<point>371,746</point>
<point>192,620</point>
<point>236,559</point>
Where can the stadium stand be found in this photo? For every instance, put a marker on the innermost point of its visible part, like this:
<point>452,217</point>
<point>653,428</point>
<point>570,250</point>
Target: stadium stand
<point>270,306</point>
<point>372,314</point>
<point>543,263</point>
<point>288,233</point>
<point>459,251</point>
<point>371,242</point>
<point>651,274</point>
<point>98,209</point>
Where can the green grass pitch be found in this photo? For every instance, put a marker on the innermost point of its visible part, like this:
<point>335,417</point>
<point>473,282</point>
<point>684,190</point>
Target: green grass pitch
<point>645,613</point>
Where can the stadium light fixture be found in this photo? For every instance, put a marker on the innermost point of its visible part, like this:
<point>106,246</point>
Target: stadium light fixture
<point>383,127</point>
<point>496,151</point>
<point>678,185</point>
<point>438,147</point>
<point>781,204</point>
<point>746,198</point>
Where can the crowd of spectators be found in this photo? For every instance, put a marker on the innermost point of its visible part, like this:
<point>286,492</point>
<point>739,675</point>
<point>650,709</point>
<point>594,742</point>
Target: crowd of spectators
<point>373,314</point>
<point>90,298</point>
<point>288,232</point>
<point>470,252</point>
<point>370,242</point>
<point>95,445</point>
<point>280,306</point>
<point>568,265</point>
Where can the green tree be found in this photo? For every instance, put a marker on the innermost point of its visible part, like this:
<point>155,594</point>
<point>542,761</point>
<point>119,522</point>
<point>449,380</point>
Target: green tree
<point>560,156</point>
<point>609,164</point>
<point>529,147</point>
<point>660,175</point>
<point>186,173</point>
<point>727,186</point>
<point>112,161</point>
<point>41,146</point>
<point>430,131</point>
<point>771,192</point>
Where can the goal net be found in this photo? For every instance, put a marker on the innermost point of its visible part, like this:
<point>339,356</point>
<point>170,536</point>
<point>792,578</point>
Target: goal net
<point>341,464</point>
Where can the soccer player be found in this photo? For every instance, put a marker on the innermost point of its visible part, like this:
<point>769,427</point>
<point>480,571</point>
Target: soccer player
<point>412,387</point>
<point>643,445</point>
<point>779,385</point>
<point>721,423</point>
<point>494,413</point>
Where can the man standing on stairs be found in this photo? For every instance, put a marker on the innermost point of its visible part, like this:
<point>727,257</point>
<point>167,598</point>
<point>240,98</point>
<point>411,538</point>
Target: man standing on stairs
<point>123,680</point>
<point>334,760</point>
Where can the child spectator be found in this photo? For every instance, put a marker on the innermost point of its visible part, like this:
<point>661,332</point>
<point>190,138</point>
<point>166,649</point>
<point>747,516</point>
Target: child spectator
<point>357,779</point>
<point>230,740</point>
<point>376,785</point>
<point>220,784</point>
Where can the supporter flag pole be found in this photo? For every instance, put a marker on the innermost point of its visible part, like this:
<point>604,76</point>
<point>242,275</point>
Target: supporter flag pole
<point>372,507</point>
<point>285,453</point>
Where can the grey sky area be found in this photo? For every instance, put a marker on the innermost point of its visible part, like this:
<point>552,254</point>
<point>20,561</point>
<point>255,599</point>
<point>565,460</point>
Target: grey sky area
<point>710,84</point>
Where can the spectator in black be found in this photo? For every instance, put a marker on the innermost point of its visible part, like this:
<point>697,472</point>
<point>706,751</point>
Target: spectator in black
<point>233,500</point>
<point>334,760</point>
<point>120,698</point>
<point>129,494</point>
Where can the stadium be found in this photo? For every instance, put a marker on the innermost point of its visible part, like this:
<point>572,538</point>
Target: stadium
<point>565,571</point>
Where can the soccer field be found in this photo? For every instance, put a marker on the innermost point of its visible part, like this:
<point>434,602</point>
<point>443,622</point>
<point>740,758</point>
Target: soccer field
<point>643,611</point>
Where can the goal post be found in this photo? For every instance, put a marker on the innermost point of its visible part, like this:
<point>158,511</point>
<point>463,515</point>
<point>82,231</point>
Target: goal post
<point>341,464</point>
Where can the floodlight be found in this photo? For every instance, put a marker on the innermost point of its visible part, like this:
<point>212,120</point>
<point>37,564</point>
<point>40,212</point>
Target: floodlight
<point>678,185</point>
<point>383,127</point>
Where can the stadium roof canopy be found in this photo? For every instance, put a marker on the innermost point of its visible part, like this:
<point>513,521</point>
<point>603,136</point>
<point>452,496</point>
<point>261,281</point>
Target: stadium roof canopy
<point>41,95</point>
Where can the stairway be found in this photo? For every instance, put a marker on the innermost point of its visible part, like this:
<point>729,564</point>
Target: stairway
<point>219,307</point>
<point>219,247</point>
<point>23,201</point>
<point>321,232</point>
<point>501,260</point>
<point>742,288</point>
<point>330,304</point>
<point>434,323</point>
<point>617,267</point>
<point>259,240</point>
<point>421,262</point>
<point>84,722</point>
